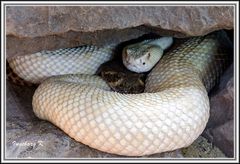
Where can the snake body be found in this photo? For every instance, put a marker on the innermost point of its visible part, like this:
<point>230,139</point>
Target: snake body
<point>36,67</point>
<point>170,115</point>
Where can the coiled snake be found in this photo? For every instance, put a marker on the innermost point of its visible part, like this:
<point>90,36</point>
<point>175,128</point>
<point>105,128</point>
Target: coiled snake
<point>170,114</point>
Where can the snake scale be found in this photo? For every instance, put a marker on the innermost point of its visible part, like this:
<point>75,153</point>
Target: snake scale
<point>170,114</point>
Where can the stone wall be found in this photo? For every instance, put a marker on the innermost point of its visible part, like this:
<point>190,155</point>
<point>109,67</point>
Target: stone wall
<point>30,29</point>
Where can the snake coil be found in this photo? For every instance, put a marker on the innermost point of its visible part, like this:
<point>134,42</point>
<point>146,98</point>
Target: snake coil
<point>170,115</point>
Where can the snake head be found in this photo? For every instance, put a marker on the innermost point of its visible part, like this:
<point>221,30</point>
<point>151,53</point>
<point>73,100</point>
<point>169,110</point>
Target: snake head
<point>141,57</point>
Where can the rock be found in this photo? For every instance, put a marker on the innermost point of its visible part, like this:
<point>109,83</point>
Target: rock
<point>219,128</point>
<point>34,28</point>
<point>222,100</point>
<point>223,138</point>
<point>201,148</point>
<point>36,21</point>
<point>27,45</point>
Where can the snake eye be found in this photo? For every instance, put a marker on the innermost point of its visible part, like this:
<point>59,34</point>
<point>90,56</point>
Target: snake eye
<point>143,63</point>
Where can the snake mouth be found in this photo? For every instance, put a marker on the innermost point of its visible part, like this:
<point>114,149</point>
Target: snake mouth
<point>127,63</point>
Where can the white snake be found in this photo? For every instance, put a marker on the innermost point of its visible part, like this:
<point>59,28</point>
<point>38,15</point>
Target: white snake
<point>170,115</point>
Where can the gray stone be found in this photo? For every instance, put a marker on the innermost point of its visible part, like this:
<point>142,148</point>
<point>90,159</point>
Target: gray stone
<point>27,45</point>
<point>219,128</point>
<point>30,29</point>
<point>223,138</point>
<point>201,148</point>
<point>222,100</point>
<point>35,21</point>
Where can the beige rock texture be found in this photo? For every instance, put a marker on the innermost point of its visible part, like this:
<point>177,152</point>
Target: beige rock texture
<point>33,28</point>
